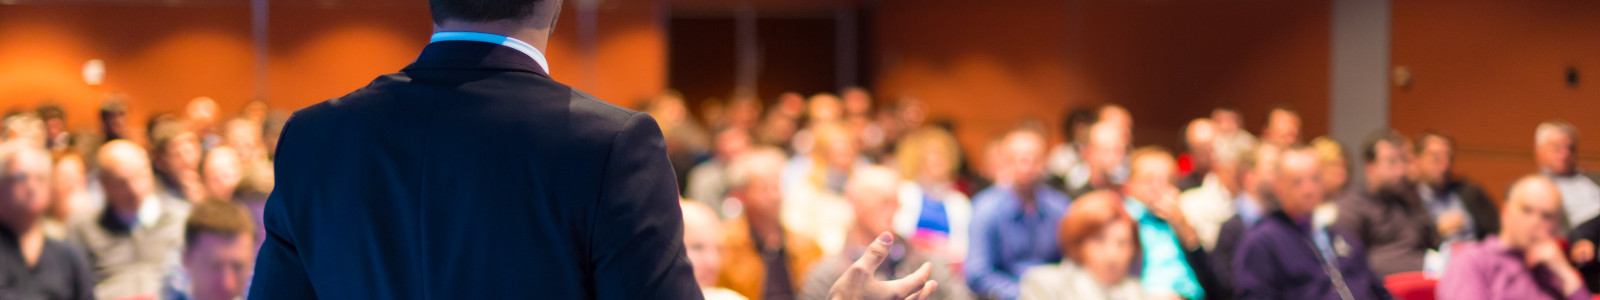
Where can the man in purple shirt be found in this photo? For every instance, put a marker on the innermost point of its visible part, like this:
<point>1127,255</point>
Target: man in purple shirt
<point>1011,222</point>
<point>1524,261</point>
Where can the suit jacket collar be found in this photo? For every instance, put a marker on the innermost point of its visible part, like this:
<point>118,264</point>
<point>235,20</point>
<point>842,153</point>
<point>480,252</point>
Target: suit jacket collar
<point>474,55</point>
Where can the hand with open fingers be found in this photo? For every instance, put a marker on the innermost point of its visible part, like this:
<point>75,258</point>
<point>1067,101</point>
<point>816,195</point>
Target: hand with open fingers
<point>857,282</point>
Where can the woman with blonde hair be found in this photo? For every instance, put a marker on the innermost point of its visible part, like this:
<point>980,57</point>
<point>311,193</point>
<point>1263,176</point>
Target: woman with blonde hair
<point>933,213</point>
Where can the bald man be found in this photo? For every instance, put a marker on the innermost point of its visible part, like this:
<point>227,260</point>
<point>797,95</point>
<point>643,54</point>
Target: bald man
<point>873,193</point>
<point>33,266</point>
<point>1524,260</point>
<point>136,239</point>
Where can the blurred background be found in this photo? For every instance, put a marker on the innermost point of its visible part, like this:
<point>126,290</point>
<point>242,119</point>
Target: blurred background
<point>1486,72</point>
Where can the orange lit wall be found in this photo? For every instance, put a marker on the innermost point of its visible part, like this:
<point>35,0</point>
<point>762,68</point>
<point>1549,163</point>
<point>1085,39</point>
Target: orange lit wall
<point>160,57</point>
<point>1489,71</point>
<point>989,64</point>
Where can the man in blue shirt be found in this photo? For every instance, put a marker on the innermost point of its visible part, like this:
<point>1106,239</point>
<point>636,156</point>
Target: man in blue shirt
<point>1165,237</point>
<point>1013,222</point>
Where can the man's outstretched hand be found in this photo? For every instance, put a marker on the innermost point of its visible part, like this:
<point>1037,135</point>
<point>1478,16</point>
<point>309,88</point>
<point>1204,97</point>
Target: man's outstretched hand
<point>857,282</point>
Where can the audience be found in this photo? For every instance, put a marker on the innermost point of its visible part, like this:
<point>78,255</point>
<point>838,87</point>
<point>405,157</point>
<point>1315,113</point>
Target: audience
<point>1555,150</point>
<point>1288,256</point>
<point>1165,237</point>
<point>1254,201</point>
<point>68,193</point>
<point>1065,157</point>
<point>1385,214</point>
<point>221,171</point>
<point>1103,157</point>
<point>32,265</point>
<point>1199,138</point>
<point>137,237</point>
<point>1210,205</point>
<point>1461,209</point>
<point>1523,259</point>
<point>708,180</point>
<point>218,254</point>
<point>1283,127</point>
<point>765,260</point>
<point>873,194</point>
<point>201,114</point>
<point>1011,229</point>
<point>1230,127</point>
<point>114,120</point>
<point>933,211</point>
<point>1335,168</point>
<point>176,155</point>
<point>813,186</point>
<point>1100,241</point>
<point>705,243</point>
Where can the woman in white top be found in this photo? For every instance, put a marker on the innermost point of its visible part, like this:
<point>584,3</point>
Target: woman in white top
<point>933,214</point>
<point>1099,240</point>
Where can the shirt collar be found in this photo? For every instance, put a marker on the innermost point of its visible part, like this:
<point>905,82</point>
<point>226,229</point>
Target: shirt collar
<point>491,38</point>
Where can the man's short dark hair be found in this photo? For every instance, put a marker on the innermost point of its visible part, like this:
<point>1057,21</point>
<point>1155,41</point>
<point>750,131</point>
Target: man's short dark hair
<point>490,10</point>
<point>51,111</point>
<point>1081,115</point>
<point>219,218</point>
<point>1422,141</point>
<point>1369,148</point>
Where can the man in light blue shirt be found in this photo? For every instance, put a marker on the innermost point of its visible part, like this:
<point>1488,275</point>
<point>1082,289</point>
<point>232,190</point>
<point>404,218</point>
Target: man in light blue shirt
<point>1014,223</point>
<point>1165,237</point>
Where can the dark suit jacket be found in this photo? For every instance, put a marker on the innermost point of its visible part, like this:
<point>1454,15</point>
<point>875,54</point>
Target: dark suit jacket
<point>1485,218</point>
<point>472,175</point>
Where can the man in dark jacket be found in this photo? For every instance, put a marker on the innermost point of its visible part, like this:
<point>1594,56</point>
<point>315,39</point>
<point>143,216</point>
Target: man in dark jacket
<point>1385,214</point>
<point>1461,209</point>
<point>1288,255</point>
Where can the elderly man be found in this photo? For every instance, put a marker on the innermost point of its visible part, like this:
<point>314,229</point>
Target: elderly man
<point>139,234</point>
<point>1524,260</point>
<point>1462,210</point>
<point>872,192</point>
<point>1199,137</point>
<point>1287,256</point>
<point>764,261</point>
<point>33,266</point>
<point>1174,263</point>
<point>1556,151</point>
<point>221,170</point>
<point>1011,224</point>
<point>1385,214</point>
<point>1211,203</point>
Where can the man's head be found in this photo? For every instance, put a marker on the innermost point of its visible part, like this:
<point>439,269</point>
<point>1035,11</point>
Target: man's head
<point>1077,125</point>
<point>244,136</point>
<point>857,102</point>
<point>823,108</point>
<point>219,250</point>
<point>125,175</point>
<point>1107,147</point>
<point>702,236</point>
<point>836,145</point>
<point>1298,184</point>
<point>536,14</point>
<point>1555,147</point>
<point>23,128</point>
<point>66,182</point>
<point>114,119</point>
<point>1199,136</point>
<point>1532,213</point>
<point>221,171</point>
<point>754,176</point>
<point>176,147</point>
<point>1228,120</point>
<point>253,192</point>
<point>24,184</point>
<point>731,141</point>
<point>873,192</point>
<point>1386,160</point>
<point>1283,126</point>
<point>1023,150</point>
<point>1225,159</point>
<point>1256,169</point>
<point>1434,152</point>
<point>55,119</point>
<point>201,112</point>
<point>1116,115</point>
<point>1152,176</point>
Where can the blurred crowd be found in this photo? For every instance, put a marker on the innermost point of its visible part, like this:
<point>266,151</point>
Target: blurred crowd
<point>779,200</point>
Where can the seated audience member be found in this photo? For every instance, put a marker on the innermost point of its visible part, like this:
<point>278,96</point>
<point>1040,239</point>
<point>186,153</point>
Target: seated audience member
<point>1066,156</point>
<point>1335,168</point>
<point>244,136</point>
<point>1211,204</point>
<point>1287,256</point>
<point>708,182</point>
<point>139,235</point>
<point>252,193</point>
<point>23,128</point>
<point>1385,214</point>
<point>765,260</point>
<point>933,212</point>
<point>32,265</point>
<point>1230,128</point>
<point>221,170</point>
<point>1462,210</point>
<point>55,127</point>
<point>1103,157</point>
<point>1011,223</point>
<point>1555,149</point>
<point>218,255</point>
<point>201,114</point>
<point>1524,260</point>
<point>1200,139</point>
<point>1100,241</point>
<point>114,119</point>
<point>703,238</point>
<point>176,157</point>
<point>814,186</point>
<point>68,188</point>
<point>1254,201</point>
<point>1283,127</point>
<point>1173,261</point>
<point>873,193</point>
